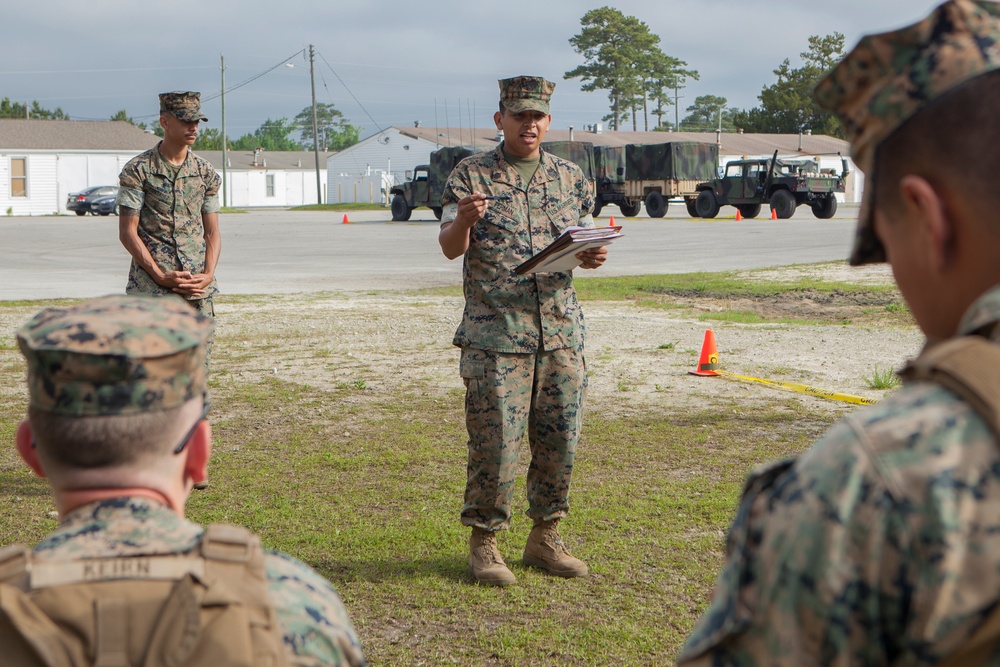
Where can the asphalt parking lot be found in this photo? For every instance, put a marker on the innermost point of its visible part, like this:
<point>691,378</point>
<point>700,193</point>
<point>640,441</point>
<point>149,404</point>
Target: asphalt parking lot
<point>281,251</point>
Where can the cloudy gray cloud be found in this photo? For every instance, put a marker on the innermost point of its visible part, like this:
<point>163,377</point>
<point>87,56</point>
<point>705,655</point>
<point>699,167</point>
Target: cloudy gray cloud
<point>388,63</point>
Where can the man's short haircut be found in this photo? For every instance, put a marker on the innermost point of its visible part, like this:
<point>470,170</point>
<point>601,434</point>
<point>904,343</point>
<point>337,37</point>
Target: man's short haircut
<point>104,441</point>
<point>949,143</point>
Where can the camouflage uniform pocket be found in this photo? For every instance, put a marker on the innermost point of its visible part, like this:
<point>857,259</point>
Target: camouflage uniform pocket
<point>495,217</point>
<point>472,369</point>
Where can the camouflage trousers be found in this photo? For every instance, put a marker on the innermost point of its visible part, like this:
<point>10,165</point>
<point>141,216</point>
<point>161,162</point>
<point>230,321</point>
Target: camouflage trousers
<point>507,396</point>
<point>207,308</point>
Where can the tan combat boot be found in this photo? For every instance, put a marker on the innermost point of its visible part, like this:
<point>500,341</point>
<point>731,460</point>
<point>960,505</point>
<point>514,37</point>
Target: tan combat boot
<point>545,550</point>
<point>485,561</point>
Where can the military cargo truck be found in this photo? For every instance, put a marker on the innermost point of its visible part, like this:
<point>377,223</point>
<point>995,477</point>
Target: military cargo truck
<point>609,172</point>
<point>784,184</point>
<point>657,173</point>
<point>427,184</point>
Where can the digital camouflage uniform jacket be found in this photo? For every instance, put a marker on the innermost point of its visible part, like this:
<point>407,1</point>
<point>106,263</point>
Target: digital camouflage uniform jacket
<point>170,211</point>
<point>505,312</point>
<point>309,611</point>
<point>880,545</point>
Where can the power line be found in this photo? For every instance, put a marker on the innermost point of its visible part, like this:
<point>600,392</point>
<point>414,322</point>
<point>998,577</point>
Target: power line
<point>255,76</point>
<point>380,128</point>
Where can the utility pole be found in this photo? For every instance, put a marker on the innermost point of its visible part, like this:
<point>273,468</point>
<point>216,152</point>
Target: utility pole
<point>312,80</point>
<point>225,158</point>
<point>677,110</point>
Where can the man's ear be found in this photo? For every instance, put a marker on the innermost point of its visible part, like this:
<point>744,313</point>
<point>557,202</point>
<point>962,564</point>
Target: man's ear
<point>25,441</point>
<point>497,117</point>
<point>198,451</point>
<point>925,205</point>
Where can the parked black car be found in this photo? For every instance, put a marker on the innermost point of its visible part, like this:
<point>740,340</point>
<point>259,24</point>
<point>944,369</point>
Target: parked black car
<point>80,202</point>
<point>104,205</point>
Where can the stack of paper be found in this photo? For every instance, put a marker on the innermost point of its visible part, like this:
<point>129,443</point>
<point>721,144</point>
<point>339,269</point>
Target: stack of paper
<point>560,255</point>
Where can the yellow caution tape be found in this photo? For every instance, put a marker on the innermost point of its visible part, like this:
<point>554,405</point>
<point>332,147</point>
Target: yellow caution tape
<point>803,389</point>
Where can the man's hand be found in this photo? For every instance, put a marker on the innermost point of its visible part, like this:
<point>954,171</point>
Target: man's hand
<point>471,209</point>
<point>190,285</point>
<point>593,258</point>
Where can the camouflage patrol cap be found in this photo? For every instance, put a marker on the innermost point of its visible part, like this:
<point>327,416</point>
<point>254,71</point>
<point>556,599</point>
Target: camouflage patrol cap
<point>524,93</point>
<point>115,355</point>
<point>891,76</point>
<point>186,105</point>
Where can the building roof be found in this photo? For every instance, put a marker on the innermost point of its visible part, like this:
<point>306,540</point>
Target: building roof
<point>73,135</point>
<point>730,143</point>
<point>285,160</point>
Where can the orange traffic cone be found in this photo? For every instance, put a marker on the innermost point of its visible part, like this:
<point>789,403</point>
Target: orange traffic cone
<point>739,215</point>
<point>774,214</point>
<point>612,222</point>
<point>346,221</point>
<point>709,360</point>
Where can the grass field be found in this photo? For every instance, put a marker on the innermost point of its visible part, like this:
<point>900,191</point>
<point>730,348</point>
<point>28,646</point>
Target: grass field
<point>365,486</point>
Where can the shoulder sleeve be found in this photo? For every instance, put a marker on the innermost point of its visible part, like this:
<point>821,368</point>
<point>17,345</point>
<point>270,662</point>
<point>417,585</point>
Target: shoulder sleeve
<point>313,619</point>
<point>458,186</point>
<point>815,559</point>
<point>130,191</point>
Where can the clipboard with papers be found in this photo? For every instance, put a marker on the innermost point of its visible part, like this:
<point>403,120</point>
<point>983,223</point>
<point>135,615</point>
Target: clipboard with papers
<point>560,255</point>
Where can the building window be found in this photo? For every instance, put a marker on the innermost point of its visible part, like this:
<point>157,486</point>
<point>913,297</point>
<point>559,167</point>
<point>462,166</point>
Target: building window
<point>270,185</point>
<point>19,177</point>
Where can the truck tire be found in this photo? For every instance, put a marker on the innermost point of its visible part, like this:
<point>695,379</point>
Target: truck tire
<point>689,204</point>
<point>706,205</point>
<point>400,209</point>
<point>783,204</point>
<point>437,211</point>
<point>656,205</point>
<point>749,211</point>
<point>630,210</point>
<point>825,208</point>
<point>598,205</point>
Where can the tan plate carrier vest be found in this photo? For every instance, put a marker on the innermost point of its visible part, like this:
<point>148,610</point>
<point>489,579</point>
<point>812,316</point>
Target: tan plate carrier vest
<point>970,367</point>
<point>208,608</point>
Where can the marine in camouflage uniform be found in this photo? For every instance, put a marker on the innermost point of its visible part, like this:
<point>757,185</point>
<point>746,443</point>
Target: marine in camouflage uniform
<point>522,337</point>
<point>137,356</point>
<point>881,544</point>
<point>169,210</point>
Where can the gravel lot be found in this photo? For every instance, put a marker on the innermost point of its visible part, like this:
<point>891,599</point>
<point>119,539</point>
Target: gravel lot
<point>638,356</point>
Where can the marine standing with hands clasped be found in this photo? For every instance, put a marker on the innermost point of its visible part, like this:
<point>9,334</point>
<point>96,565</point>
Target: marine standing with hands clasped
<point>880,545</point>
<point>522,337</point>
<point>168,206</point>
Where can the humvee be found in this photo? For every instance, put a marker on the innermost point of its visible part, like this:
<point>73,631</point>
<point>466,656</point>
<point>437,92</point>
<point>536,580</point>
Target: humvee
<point>426,184</point>
<point>784,184</point>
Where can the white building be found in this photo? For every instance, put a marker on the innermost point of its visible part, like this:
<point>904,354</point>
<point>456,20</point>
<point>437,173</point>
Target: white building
<point>270,178</point>
<point>365,171</point>
<point>42,161</point>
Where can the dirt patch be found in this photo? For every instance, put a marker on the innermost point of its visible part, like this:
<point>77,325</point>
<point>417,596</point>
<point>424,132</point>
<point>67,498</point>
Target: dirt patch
<point>638,356</point>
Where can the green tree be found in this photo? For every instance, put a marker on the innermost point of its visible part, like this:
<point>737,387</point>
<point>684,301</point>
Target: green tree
<point>703,115</point>
<point>10,109</point>
<point>209,139</point>
<point>617,50</point>
<point>788,106</point>
<point>664,76</point>
<point>334,131</point>
<point>272,135</point>
<point>121,114</point>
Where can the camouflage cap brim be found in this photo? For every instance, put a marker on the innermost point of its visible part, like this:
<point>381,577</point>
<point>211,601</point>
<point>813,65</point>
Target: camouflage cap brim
<point>889,77</point>
<point>518,106</point>
<point>190,116</point>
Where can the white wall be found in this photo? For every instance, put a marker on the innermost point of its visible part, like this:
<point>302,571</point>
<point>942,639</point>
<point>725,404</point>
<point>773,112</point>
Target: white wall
<point>248,189</point>
<point>52,176</point>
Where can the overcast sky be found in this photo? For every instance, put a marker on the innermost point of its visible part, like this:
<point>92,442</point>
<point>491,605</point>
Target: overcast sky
<point>385,63</point>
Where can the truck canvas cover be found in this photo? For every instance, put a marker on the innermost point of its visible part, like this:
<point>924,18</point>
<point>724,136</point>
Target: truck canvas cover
<point>677,160</point>
<point>579,152</point>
